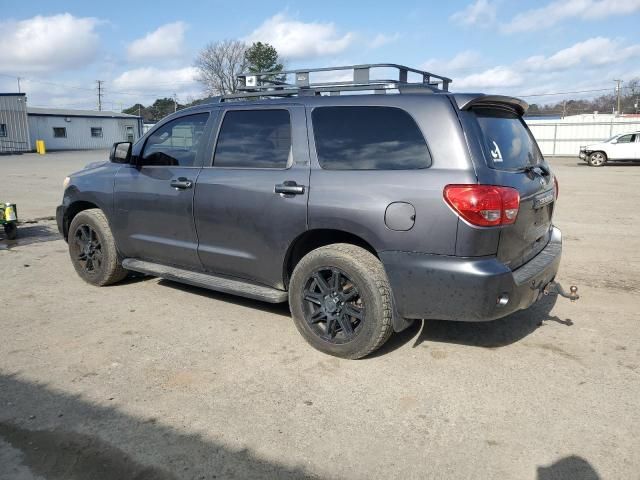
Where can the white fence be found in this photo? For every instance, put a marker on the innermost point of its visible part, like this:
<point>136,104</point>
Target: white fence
<point>564,137</point>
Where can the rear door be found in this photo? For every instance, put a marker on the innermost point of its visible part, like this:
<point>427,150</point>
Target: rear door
<point>512,159</point>
<point>251,197</point>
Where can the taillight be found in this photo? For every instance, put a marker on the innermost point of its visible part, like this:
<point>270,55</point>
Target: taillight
<point>484,205</point>
<point>555,182</point>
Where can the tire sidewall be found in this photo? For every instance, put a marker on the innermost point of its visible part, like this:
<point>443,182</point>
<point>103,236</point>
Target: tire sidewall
<point>373,304</point>
<point>87,217</point>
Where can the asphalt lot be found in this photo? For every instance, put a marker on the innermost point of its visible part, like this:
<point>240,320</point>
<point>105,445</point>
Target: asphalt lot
<point>153,380</point>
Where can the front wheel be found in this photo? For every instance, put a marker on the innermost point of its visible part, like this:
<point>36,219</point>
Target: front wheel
<point>93,249</point>
<point>340,301</point>
<point>597,159</point>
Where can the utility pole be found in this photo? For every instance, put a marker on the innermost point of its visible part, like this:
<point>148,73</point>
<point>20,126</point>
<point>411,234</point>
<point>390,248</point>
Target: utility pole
<point>175,103</point>
<point>100,94</point>
<point>618,91</point>
<point>564,108</point>
<point>18,78</point>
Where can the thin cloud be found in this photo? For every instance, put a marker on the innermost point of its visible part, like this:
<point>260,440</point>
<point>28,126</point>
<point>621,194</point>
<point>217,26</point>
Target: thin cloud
<point>166,42</point>
<point>382,39</point>
<point>48,43</point>
<point>301,40</point>
<point>480,12</point>
<point>561,10</point>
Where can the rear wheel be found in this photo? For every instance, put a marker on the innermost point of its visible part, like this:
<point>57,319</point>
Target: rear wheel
<point>93,249</point>
<point>597,159</point>
<point>340,301</point>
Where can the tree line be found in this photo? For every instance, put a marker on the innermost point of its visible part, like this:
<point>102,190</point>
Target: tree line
<point>629,103</point>
<point>219,65</point>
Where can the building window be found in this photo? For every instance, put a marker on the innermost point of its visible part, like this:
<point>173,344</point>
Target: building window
<point>59,132</point>
<point>96,132</point>
<point>3,129</point>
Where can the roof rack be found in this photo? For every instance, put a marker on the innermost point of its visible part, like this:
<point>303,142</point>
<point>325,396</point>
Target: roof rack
<point>270,84</point>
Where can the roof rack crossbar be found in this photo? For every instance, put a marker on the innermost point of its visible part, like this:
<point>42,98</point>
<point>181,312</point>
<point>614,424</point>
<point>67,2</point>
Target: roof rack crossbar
<point>273,84</point>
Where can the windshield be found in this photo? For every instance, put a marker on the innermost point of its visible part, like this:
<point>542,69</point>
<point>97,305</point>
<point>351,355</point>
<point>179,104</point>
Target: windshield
<point>509,144</point>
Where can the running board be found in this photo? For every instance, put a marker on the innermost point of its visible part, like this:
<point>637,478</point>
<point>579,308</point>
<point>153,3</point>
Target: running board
<point>204,280</point>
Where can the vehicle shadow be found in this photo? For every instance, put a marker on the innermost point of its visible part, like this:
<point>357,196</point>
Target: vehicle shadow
<point>62,436</point>
<point>494,334</point>
<point>29,233</point>
<point>613,163</point>
<point>568,468</point>
<point>281,309</point>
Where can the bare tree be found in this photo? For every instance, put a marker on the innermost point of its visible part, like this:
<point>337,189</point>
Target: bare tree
<point>219,65</point>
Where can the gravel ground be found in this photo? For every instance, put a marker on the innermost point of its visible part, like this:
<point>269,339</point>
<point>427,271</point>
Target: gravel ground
<point>153,380</point>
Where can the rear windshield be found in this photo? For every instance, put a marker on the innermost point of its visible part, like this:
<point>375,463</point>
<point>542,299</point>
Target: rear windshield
<point>509,144</point>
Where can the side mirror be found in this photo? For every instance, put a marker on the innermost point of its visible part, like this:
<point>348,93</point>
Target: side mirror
<point>615,140</point>
<point>120,152</point>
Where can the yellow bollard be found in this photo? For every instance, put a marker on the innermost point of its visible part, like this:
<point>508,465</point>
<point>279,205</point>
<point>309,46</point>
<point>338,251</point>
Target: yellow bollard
<point>40,148</point>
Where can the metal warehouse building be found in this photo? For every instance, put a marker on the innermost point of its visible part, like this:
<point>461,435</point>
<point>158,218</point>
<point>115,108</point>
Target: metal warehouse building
<point>81,129</point>
<point>21,126</point>
<point>14,129</point>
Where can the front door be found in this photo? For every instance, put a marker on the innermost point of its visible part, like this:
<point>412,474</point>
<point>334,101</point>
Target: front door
<point>625,148</point>
<point>154,198</point>
<point>251,198</point>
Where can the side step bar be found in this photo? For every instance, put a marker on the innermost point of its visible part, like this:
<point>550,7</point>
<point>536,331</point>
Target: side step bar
<point>204,280</point>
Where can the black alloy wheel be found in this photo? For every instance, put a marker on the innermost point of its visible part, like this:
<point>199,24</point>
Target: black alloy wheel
<point>333,306</point>
<point>88,249</point>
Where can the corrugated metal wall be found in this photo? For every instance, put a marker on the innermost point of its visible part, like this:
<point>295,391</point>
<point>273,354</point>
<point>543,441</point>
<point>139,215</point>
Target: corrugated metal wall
<point>13,114</point>
<point>564,137</point>
<point>78,131</point>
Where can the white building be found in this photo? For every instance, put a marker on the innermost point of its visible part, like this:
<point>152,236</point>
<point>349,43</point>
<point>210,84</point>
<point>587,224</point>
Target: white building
<point>61,129</point>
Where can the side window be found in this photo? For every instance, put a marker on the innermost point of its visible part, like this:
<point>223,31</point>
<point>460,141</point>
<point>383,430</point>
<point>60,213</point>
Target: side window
<point>368,138</point>
<point>175,143</point>
<point>626,139</point>
<point>96,132</point>
<point>254,139</point>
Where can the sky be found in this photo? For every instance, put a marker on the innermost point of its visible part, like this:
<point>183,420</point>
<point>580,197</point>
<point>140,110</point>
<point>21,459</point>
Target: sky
<point>145,50</point>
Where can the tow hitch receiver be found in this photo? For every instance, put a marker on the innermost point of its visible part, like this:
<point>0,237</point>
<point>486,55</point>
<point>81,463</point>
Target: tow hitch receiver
<point>554,288</point>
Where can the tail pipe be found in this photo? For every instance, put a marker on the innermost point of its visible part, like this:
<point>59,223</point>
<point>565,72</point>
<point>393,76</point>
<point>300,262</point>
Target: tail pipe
<point>554,288</point>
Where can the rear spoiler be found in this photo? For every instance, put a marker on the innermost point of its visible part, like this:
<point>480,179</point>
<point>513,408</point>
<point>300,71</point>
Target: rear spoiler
<point>468,100</point>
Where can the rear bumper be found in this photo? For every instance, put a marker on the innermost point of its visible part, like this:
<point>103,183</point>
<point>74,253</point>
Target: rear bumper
<point>467,289</point>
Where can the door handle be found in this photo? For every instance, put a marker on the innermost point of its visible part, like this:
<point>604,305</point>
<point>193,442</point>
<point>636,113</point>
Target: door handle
<point>181,183</point>
<point>289,187</point>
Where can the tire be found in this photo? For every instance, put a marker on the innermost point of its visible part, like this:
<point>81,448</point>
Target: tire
<point>11,230</point>
<point>93,249</point>
<point>597,159</point>
<point>368,311</point>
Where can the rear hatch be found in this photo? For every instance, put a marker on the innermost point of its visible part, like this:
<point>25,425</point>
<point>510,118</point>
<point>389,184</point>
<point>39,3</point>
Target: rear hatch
<point>513,159</point>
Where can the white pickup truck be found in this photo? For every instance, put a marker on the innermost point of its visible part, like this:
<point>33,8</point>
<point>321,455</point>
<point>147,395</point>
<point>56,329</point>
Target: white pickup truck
<point>624,146</point>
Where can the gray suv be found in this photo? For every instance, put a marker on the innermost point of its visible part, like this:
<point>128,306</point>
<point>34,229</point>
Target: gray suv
<point>364,212</point>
